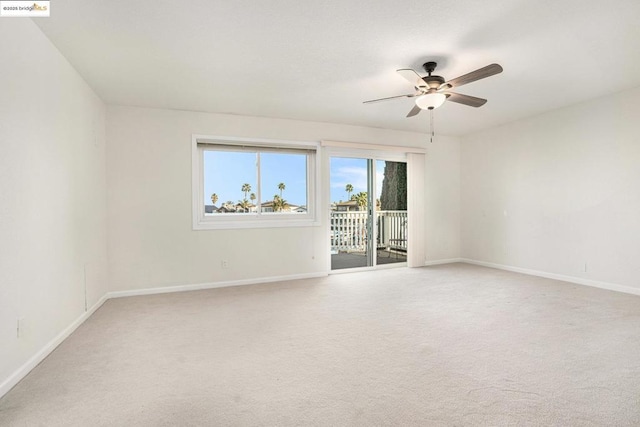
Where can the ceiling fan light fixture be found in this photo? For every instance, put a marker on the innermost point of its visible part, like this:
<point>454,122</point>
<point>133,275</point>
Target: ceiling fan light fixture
<point>429,101</point>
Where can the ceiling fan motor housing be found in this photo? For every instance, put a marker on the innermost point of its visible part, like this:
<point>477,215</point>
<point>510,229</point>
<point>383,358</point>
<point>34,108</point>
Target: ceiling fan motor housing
<point>433,82</point>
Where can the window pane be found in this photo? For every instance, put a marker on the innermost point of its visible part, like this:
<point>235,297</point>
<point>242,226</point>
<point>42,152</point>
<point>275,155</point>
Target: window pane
<point>348,182</point>
<point>229,182</point>
<point>283,182</point>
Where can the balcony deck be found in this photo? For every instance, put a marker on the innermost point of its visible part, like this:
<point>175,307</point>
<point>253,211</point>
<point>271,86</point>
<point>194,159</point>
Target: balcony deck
<point>344,260</point>
<point>349,238</point>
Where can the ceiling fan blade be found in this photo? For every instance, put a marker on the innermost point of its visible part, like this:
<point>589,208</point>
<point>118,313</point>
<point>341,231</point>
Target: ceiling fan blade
<point>415,110</point>
<point>412,77</point>
<point>478,74</point>
<point>471,101</point>
<point>410,95</point>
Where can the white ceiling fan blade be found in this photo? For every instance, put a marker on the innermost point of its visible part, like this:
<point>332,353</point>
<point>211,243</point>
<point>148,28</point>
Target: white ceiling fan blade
<point>412,77</point>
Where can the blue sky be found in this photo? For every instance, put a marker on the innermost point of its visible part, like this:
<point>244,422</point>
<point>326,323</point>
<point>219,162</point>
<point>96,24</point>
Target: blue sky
<point>226,171</point>
<point>345,170</point>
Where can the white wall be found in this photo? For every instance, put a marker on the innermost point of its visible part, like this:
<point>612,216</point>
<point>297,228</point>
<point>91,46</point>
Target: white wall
<point>151,243</point>
<point>52,195</point>
<point>556,191</point>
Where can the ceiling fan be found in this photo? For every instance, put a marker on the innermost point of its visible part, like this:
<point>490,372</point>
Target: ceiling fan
<point>432,91</point>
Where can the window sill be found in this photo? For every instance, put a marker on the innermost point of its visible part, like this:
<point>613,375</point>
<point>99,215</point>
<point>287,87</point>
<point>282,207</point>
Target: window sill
<point>222,224</point>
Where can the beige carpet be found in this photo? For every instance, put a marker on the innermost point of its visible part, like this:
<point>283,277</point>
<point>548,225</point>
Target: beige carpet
<point>447,345</point>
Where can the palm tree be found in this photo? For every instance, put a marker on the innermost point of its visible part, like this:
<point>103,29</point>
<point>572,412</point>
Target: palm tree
<point>281,187</point>
<point>214,198</point>
<point>279,203</point>
<point>252,197</point>
<point>244,204</point>
<point>349,190</point>
<point>246,188</point>
<point>361,199</point>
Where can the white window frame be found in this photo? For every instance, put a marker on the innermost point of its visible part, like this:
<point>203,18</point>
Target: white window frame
<point>200,143</point>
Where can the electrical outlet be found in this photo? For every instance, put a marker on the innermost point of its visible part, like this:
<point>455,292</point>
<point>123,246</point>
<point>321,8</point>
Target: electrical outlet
<point>225,263</point>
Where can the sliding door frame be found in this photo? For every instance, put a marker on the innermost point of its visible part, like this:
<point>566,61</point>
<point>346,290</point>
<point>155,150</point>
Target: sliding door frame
<point>371,156</point>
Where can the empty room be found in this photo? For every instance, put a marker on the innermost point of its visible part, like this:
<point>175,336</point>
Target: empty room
<point>320,213</point>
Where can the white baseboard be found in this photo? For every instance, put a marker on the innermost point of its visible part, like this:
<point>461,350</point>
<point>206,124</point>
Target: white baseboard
<point>442,261</point>
<point>212,285</point>
<point>571,279</point>
<point>23,370</point>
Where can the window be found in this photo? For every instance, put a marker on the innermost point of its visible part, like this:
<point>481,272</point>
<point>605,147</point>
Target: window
<point>240,183</point>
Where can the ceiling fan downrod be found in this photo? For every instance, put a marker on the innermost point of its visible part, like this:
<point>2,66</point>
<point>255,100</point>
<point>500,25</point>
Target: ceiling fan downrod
<point>430,67</point>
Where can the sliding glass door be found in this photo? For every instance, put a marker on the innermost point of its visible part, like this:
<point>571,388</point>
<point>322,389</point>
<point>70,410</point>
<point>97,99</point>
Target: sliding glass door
<point>368,220</point>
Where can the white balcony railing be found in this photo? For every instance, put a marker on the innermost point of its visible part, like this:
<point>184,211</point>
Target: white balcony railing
<point>349,230</point>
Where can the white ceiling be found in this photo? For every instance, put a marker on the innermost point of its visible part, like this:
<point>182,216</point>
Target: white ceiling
<point>319,60</point>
